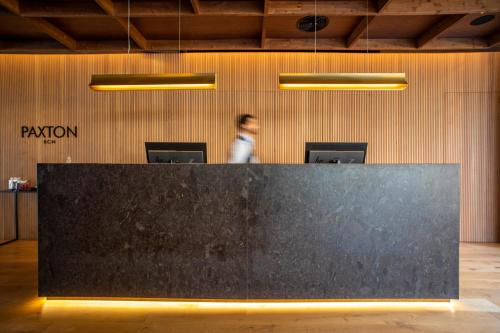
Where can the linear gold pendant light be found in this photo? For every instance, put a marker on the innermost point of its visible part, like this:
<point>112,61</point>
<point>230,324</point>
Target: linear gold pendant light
<point>342,81</point>
<point>183,81</point>
<point>165,81</point>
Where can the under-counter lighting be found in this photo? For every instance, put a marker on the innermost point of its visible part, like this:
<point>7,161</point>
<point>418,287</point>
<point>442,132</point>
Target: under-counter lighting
<point>123,82</point>
<point>342,81</point>
<point>254,306</point>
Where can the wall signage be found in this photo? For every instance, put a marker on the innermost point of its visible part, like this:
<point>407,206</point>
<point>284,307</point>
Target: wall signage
<point>49,133</point>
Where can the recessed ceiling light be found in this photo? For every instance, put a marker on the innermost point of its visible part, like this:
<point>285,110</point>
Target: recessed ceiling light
<point>307,23</point>
<point>482,19</point>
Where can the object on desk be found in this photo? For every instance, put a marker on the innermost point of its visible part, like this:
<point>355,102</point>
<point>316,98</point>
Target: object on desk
<point>11,183</point>
<point>19,184</point>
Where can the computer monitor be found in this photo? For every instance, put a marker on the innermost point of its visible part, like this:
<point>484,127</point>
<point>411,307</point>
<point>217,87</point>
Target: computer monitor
<point>336,152</point>
<point>176,152</point>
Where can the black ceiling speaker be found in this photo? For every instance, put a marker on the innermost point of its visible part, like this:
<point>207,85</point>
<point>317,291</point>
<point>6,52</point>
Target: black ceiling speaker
<point>307,23</point>
<point>482,19</point>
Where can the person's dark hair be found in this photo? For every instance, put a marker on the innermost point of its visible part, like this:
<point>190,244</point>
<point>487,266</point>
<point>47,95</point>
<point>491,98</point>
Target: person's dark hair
<point>243,119</point>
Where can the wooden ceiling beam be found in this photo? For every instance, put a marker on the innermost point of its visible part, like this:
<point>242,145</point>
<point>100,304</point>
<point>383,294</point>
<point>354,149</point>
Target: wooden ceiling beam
<point>438,29</point>
<point>196,6</point>
<point>494,40</point>
<point>441,44</point>
<point>109,8</point>
<point>263,35</point>
<point>60,9</point>
<point>11,5</point>
<point>46,46</point>
<point>151,9</point>
<point>277,44</point>
<point>362,27</point>
<point>156,8</point>
<point>196,45</point>
<point>54,32</point>
<point>359,30</point>
<point>441,7</point>
<point>341,8</point>
<point>43,25</point>
<point>206,8</point>
<point>233,8</point>
<point>305,44</point>
<point>382,5</point>
<point>457,44</point>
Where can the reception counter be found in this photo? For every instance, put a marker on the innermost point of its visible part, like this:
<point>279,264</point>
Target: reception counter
<point>249,231</point>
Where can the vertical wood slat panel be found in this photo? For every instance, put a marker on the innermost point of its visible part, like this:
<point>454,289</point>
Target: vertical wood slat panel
<point>449,114</point>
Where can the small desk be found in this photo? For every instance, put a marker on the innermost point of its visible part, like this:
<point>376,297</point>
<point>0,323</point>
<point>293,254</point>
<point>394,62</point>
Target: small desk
<point>16,214</point>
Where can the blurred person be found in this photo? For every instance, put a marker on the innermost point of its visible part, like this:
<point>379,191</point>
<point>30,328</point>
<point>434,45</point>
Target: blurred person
<point>242,149</point>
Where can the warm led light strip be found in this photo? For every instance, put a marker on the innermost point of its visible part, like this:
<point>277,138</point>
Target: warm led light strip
<point>342,81</point>
<point>124,82</point>
<point>215,305</point>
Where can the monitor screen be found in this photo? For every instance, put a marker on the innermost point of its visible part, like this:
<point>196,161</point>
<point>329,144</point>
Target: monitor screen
<point>176,152</point>
<point>335,152</point>
<point>339,157</point>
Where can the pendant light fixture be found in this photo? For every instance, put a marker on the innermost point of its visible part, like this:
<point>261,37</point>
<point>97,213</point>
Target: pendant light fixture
<point>174,81</point>
<point>341,81</point>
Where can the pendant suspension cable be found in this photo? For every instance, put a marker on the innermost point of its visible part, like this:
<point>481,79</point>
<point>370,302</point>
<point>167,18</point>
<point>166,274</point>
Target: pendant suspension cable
<point>367,26</point>
<point>179,39</point>
<point>367,35</point>
<point>315,34</point>
<point>128,36</point>
<point>179,27</point>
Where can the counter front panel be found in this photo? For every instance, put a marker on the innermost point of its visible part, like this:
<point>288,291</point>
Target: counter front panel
<point>249,231</point>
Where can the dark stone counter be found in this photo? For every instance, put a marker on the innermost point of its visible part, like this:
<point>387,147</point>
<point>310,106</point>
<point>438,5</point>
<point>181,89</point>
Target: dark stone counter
<point>249,231</point>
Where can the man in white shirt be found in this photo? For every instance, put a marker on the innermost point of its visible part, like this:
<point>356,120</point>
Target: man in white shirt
<point>243,146</point>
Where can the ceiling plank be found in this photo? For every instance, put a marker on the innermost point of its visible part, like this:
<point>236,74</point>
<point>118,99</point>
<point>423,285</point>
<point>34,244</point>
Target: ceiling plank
<point>347,8</point>
<point>441,44</point>
<point>150,9</point>
<point>382,5</point>
<point>437,29</point>
<point>46,46</point>
<point>155,8</point>
<point>359,30</point>
<point>135,34</point>
<point>494,40</point>
<point>335,44</point>
<point>109,7</point>
<point>202,45</point>
<point>207,8</point>
<point>43,25</point>
<point>460,44</point>
<point>11,5</point>
<point>263,35</point>
<point>305,44</point>
<point>196,6</point>
<point>233,8</point>
<point>60,9</point>
<point>441,7</point>
<point>54,32</point>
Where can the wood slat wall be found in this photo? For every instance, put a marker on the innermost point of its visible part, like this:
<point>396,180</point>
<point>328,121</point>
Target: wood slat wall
<point>449,114</point>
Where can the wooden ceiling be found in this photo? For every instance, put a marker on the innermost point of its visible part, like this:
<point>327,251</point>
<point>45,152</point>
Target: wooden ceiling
<point>88,26</point>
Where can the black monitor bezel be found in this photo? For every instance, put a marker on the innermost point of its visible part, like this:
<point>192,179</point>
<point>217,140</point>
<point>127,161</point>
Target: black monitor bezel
<point>335,146</point>
<point>177,146</point>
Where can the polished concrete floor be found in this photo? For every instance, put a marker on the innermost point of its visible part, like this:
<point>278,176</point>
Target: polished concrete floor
<point>477,311</point>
